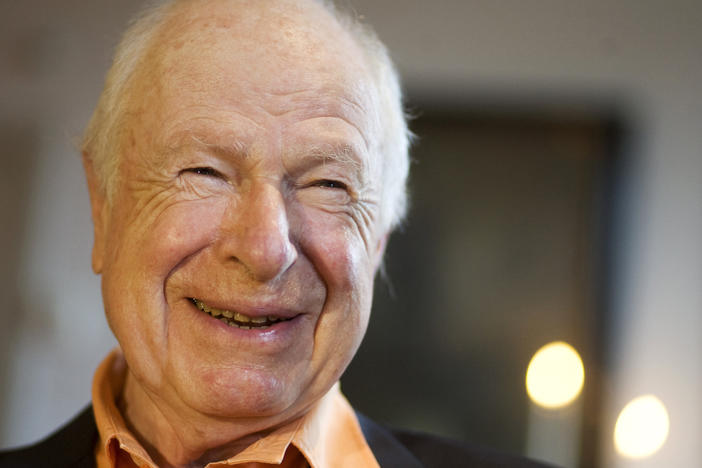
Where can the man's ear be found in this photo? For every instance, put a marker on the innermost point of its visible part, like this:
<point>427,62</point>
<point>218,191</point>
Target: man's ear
<point>380,251</point>
<point>99,212</point>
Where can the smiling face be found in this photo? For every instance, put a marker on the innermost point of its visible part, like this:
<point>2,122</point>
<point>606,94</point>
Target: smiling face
<point>239,250</point>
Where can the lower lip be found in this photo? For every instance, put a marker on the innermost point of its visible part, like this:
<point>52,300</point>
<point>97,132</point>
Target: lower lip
<point>279,333</point>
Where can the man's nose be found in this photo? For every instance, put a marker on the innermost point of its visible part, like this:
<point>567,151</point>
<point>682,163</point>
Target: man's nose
<point>256,233</point>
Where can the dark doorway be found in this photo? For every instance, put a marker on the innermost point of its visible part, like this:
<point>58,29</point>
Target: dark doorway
<point>504,250</point>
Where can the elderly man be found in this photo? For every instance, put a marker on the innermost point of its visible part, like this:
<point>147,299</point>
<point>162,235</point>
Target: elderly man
<point>246,163</point>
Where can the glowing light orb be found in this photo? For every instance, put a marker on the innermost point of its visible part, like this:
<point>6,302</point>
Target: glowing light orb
<point>642,427</point>
<point>555,375</point>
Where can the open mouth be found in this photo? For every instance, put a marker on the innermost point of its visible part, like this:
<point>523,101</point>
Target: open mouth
<point>236,319</point>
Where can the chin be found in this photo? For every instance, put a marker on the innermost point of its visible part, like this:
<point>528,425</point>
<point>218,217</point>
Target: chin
<point>241,393</point>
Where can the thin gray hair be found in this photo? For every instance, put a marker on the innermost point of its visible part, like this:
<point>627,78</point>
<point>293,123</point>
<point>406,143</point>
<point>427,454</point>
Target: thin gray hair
<point>102,140</point>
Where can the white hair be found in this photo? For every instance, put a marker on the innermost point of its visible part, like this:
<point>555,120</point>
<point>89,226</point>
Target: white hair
<point>102,141</point>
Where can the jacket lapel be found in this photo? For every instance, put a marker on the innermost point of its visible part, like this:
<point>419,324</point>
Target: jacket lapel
<point>389,452</point>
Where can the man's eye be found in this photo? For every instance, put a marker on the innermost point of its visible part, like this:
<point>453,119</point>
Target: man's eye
<point>332,184</point>
<point>205,171</point>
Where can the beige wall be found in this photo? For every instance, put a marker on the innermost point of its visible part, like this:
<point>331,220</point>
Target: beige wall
<point>641,56</point>
<point>52,56</point>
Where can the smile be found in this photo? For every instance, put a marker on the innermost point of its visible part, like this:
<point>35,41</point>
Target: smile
<point>236,319</point>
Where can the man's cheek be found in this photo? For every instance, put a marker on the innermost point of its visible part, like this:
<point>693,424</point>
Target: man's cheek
<point>342,262</point>
<point>178,232</point>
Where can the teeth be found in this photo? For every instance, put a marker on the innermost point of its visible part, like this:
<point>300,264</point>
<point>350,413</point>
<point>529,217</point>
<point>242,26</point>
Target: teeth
<point>242,318</point>
<point>236,319</point>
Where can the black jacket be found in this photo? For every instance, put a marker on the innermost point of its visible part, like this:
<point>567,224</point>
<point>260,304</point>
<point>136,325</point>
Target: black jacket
<point>73,445</point>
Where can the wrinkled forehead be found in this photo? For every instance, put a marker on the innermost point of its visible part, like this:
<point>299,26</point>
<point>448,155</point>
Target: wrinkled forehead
<point>259,54</point>
<point>276,47</point>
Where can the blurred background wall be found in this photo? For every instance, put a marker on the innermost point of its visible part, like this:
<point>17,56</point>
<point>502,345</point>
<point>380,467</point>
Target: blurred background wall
<point>635,63</point>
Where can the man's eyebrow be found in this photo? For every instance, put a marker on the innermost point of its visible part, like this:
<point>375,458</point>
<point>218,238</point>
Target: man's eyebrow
<point>343,153</point>
<point>233,146</point>
<point>340,153</point>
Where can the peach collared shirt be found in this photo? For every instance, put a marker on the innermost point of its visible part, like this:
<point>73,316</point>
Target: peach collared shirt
<point>328,436</point>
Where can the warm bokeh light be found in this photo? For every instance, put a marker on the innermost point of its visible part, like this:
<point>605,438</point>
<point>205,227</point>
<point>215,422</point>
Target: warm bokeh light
<point>555,375</point>
<point>642,427</point>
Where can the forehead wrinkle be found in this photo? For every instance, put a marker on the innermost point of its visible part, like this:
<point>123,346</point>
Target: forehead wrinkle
<point>342,105</point>
<point>329,96</point>
<point>208,115</point>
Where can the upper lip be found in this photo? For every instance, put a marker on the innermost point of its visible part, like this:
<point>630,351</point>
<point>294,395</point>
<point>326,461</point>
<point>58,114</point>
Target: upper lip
<point>261,309</point>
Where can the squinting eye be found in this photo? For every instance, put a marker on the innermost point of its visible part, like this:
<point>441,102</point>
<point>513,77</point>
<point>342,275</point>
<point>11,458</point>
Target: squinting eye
<point>205,171</point>
<point>332,184</point>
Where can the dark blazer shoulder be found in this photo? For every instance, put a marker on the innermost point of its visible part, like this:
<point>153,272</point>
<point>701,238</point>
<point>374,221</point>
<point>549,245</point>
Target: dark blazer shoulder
<point>401,448</point>
<point>73,445</point>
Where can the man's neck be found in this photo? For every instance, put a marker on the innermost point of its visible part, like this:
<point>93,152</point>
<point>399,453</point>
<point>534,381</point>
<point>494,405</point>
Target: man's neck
<point>185,438</point>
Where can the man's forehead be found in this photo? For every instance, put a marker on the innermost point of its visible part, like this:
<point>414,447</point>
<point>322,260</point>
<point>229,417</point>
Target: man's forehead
<point>295,27</point>
<point>283,48</point>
